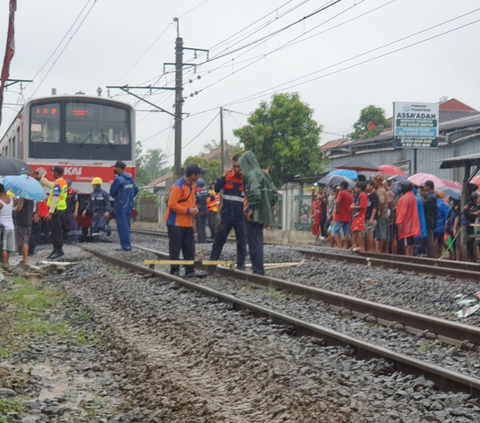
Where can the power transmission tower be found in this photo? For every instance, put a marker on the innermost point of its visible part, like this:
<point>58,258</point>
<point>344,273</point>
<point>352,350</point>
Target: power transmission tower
<point>179,98</point>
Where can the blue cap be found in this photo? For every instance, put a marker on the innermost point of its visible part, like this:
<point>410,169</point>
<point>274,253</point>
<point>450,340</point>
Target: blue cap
<point>68,181</point>
<point>201,182</point>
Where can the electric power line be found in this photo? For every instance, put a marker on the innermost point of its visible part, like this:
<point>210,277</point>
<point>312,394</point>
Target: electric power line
<point>196,136</point>
<point>65,47</point>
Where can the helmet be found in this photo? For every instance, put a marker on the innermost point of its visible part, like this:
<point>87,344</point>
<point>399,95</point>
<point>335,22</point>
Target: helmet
<point>97,181</point>
<point>68,181</point>
<point>201,182</point>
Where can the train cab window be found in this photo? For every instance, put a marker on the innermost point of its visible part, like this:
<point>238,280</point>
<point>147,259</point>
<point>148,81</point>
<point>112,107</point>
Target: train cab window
<point>45,123</point>
<point>98,124</point>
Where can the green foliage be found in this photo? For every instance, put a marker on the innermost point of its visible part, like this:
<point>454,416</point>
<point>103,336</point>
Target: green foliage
<point>150,165</point>
<point>371,123</point>
<point>9,406</point>
<point>210,146</point>
<point>284,137</point>
<point>213,167</point>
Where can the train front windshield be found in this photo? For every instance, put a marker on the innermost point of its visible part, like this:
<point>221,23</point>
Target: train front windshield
<point>80,130</point>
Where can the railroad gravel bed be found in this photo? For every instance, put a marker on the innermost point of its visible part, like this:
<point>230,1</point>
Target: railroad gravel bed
<point>425,294</point>
<point>434,352</point>
<point>189,355</point>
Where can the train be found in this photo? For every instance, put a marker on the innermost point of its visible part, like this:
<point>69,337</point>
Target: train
<point>84,134</point>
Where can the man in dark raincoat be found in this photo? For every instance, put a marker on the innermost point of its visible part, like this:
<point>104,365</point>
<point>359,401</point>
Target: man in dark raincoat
<point>261,195</point>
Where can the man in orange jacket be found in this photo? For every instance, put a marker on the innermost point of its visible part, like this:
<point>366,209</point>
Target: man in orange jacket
<point>179,219</point>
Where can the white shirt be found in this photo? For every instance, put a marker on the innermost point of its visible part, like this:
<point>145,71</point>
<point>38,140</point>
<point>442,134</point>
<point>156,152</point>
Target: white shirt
<point>6,218</point>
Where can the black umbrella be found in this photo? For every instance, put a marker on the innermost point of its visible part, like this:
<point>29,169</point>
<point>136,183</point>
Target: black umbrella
<point>11,166</point>
<point>336,180</point>
<point>359,165</point>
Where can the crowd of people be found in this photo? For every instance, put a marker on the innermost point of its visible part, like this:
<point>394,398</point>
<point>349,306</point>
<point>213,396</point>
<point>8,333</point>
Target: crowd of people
<point>402,218</point>
<point>28,224</point>
<point>248,197</point>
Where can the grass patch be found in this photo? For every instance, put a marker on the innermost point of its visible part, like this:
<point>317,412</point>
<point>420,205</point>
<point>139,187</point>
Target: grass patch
<point>31,310</point>
<point>9,406</point>
<point>426,346</point>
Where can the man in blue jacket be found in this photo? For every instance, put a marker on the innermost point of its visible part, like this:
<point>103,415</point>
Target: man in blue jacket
<point>442,216</point>
<point>123,190</point>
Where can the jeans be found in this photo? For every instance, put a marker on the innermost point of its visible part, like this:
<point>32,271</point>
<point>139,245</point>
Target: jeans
<point>223,229</point>
<point>201,227</point>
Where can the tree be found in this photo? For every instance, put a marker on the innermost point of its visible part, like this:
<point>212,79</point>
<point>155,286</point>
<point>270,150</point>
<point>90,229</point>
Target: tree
<point>372,122</point>
<point>284,137</point>
<point>213,167</point>
<point>210,146</point>
<point>150,165</point>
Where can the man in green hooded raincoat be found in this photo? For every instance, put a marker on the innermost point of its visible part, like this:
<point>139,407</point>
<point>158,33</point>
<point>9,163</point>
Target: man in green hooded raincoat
<point>260,196</point>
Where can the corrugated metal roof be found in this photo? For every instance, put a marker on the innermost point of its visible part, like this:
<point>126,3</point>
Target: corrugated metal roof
<point>471,159</point>
<point>161,179</point>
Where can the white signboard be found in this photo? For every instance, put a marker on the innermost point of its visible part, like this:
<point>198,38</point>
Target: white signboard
<point>415,125</point>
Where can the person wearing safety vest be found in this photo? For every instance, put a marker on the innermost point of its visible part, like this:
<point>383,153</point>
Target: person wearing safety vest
<point>100,207</point>
<point>57,205</point>
<point>213,202</point>
<point>231,214</point>
<point>201,201</point>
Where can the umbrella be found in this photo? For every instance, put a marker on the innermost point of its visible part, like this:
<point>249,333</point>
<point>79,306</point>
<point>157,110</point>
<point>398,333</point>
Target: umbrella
<point>397,178</point>
<point>391,170</point>
<point>336,180</point>
<point>359,165</point>
<point>352,174</point>
<point>25,186</point>
<point>476,180</point>
<point>420,178</point>
<point>456,194</point>
<point>11,166</point>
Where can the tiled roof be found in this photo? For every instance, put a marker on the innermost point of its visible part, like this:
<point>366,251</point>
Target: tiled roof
<point>333,144</point>
<point>454,104</point>
<point>161,179</point>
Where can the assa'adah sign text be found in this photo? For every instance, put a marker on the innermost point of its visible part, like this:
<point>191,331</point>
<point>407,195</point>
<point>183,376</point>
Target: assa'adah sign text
<point>415,125</point>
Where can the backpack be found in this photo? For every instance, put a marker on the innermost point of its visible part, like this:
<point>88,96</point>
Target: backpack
<point>167,197</point>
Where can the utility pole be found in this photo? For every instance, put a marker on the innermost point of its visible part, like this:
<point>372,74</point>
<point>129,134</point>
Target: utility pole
<point>222,143</point>
<point>178,101</point>
<point>179,98</point>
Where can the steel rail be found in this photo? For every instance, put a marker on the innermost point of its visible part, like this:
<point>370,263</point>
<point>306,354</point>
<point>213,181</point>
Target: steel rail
<point>451,264</point>
<point>465,336</point>
<point>408,266</point>
<point>445,379</point>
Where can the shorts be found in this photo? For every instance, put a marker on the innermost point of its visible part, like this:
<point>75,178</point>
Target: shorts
<point>358,224</point>
<point>22,234</point>
<point>409,241</point>
<point>382,232</point>
<point>341,226</point>
<point>370,227</point>
<point>9,240</point>
<point>439,237</point>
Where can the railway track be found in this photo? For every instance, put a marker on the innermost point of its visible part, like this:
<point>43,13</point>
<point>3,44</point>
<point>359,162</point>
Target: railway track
<point>465,336</point>
<point>424,265</point>
<point>442,268</point>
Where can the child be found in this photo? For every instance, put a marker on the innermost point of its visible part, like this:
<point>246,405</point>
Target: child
<point>359,209</point>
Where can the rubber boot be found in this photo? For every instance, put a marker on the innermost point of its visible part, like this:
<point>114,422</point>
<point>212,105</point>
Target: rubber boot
<point>59,253</point>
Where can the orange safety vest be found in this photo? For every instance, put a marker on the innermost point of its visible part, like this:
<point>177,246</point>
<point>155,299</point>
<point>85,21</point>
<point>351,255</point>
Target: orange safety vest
<point>213,202</point>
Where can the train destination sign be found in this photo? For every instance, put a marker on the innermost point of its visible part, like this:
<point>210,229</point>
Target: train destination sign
<point>415,125</point>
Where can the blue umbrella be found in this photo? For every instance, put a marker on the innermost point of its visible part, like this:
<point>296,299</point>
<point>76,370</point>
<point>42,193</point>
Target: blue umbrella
<point>24,186</point>
<point>352,174</point>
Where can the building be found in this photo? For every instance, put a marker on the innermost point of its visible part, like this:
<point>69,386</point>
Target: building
<point>459,136</point>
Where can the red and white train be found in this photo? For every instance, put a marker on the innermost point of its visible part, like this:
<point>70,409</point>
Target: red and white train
<point>83,134</point>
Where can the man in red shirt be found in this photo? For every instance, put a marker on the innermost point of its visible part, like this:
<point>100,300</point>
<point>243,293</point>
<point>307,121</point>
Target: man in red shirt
<point>359,210</point>
<point>343,215</point>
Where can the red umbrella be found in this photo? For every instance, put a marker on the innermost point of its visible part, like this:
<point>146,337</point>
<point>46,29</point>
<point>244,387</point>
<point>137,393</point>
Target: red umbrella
<point>476,180</point>
<point>391,170</point>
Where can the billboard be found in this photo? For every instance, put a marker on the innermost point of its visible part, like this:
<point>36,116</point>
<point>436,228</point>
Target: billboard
<point>415,125</point>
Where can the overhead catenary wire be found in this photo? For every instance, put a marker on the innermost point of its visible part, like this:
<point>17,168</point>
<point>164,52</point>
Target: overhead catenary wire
<point>270,90</point>
<point>200,133</point>
<point>66,45</point>
<point>365,53</point>
<point>62,40</point>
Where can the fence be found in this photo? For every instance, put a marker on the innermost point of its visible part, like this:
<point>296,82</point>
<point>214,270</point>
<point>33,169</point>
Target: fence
<point>303,212</point>
<point>147,209</point>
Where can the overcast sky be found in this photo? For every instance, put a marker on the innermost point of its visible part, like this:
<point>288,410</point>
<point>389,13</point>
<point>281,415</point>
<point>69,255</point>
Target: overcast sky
<point>116,33</point>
